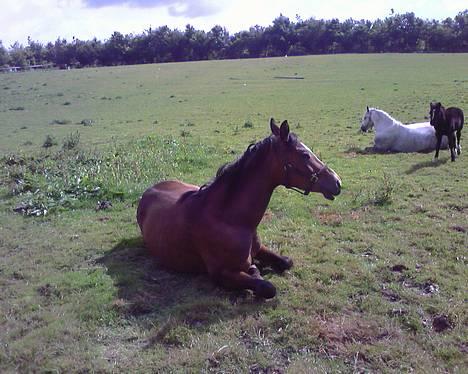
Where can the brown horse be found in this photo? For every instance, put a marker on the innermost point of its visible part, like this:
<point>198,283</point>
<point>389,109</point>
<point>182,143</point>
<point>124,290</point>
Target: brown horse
<point>213,228</point>
<point>447,122</point>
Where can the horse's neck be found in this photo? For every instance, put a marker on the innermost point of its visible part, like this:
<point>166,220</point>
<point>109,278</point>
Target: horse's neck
<point>247,202</point>
<point>384,120</point>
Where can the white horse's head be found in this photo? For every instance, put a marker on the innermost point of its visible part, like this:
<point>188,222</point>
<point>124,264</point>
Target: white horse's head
<point>367,123</point>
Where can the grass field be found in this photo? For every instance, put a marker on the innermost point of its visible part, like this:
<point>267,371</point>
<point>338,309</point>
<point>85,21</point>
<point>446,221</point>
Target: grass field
<point>380,277</point>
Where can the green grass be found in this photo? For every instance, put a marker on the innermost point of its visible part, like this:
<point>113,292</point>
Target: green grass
<point>373,269</point>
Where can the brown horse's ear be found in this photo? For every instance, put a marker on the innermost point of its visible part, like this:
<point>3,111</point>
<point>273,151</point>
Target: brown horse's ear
<point>275,130</point>
<point>284,131</point>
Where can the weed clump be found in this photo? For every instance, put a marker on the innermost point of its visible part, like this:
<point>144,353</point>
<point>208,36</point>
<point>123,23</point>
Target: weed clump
<point>248,124</point>
<point>60,122</point>
<point>384,194</point>
<point>381,195</point>
<point>49,141</point>
<point>73,177</point>
<point>71,141</point>
<point>87,122</point>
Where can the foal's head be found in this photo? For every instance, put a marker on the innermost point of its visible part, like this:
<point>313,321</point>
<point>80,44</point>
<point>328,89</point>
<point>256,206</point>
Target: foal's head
<point>367,123</point>
<point>300,167</point>
<point>436,114</point>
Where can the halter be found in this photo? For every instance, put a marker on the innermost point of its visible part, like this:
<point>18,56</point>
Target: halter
<point>313,178</point>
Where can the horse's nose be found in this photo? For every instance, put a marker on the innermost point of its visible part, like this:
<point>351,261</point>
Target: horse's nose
<point>338,186</point>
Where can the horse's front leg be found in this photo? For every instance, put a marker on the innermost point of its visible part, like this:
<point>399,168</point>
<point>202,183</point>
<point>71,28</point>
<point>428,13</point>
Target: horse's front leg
<point>267,257</point>
<point>240,280</point>
<point>439,141</point>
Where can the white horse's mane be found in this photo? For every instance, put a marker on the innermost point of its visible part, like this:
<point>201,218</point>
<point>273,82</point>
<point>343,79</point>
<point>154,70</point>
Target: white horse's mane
<point>385,114</point>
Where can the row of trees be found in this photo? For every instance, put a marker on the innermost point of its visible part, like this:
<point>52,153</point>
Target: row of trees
<point>397,33</point>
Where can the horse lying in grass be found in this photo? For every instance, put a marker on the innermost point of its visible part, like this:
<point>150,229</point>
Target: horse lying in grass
<point>213,228</point>
<point>447,122</point>
<point>393,136</point>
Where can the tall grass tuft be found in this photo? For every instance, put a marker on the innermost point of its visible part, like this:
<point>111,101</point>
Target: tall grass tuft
<point>71,141</point>
<point>384,194</point>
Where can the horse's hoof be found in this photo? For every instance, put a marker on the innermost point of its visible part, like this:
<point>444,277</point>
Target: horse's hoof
<point>283,264</point>
<point>266,290</point>
<point>288,263</point>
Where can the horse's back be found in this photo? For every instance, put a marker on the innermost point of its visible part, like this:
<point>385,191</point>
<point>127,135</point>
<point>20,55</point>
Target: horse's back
<point>161,196</point>
<point>162,218</point>
<point>416,137</point>
<point>418,125</point>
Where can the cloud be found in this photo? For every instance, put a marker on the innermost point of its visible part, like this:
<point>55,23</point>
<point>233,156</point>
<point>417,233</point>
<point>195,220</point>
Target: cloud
<point>176,8</point>
<point>133,3</point>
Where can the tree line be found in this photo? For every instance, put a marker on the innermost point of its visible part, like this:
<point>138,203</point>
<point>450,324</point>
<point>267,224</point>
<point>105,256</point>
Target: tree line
<point>396,33</point>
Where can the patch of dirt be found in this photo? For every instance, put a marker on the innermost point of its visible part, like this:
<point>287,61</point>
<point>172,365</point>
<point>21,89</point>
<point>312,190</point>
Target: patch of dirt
<point>330,218</point>
<point>257,369</point>
<point>458,228</point>
<point>355,215</point>
<point>48,290</point>
<point>430,288</point>
<point>398,268</point>
<point>339,332</point>
<point>457,207</point>
<point>441,323</point>
<point>267,216</point>
<point>390,295</point>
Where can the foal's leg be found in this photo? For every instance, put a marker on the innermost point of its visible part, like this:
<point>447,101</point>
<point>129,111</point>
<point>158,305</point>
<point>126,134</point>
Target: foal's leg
<point>267,257</point>
<point>239,280</point>
<point>458,141</point>
<point>451,139</point>
<point>439,140</point>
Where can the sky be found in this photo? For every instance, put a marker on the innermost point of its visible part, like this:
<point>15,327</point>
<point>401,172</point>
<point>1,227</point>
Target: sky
<point>47,20</point>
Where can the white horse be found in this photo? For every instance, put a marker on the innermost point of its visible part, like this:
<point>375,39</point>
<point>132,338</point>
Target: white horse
<point>393,136</point>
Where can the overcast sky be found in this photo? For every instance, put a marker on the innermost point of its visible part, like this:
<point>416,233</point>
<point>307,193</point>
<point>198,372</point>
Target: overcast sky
<point>46,20</point>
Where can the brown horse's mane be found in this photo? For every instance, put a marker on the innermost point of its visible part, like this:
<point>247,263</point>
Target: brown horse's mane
<point>229,174</point>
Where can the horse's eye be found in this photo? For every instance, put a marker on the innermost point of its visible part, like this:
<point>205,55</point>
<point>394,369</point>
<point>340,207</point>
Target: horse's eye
<point>306,156</point>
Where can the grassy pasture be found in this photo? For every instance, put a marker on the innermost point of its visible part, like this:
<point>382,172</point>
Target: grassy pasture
<point>378,272</point>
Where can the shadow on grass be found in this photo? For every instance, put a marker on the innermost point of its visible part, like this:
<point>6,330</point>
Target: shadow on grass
<point>146,289</point>
<point>365,151</point>
<point>426,164</point>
